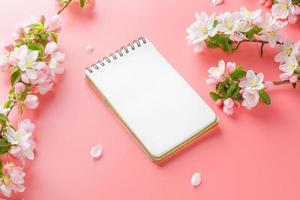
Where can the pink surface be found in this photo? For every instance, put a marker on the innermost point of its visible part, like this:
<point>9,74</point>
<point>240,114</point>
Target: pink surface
<point>252,155</point>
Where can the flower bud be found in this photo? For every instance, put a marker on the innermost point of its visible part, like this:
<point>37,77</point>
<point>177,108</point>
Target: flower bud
<point>269,84</point>
<point>19,88</point>
<point>230,66</point>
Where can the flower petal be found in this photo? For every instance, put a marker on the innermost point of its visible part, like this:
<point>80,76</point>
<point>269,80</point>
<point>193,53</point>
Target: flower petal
<point>96,151</point>
<point>196,179</point>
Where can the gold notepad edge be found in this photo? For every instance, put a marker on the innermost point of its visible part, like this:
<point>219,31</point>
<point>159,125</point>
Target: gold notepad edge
<point>171,152</point>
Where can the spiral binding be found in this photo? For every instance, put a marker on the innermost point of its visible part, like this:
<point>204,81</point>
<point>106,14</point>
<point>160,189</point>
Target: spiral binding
<point>121,52</point>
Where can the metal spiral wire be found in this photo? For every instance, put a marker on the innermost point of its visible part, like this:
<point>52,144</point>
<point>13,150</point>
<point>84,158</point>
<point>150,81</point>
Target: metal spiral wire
<point>120,52</point>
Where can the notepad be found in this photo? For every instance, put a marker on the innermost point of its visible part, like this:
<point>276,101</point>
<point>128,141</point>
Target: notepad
<point>157,106</point>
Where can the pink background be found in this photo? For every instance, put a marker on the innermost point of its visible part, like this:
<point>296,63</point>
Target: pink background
<point>252,155</point>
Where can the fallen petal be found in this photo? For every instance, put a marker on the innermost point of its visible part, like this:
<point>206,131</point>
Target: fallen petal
<point>96,151</point>
<point>217,2</point>
<point>196,179</point>
<point>89,49</point>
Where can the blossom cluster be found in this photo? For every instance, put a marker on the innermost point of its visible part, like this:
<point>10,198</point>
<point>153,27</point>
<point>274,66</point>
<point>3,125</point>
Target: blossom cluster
<point>33,61</point>
<point>228,29</point>
<point>284,9</point>
<point>233,84</point>
<point>289,59</point>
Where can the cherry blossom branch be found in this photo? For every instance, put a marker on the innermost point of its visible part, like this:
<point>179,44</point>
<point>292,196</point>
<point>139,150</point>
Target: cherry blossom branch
<point>284,82</point>
<point>33,61</point>
<point>235,85</point>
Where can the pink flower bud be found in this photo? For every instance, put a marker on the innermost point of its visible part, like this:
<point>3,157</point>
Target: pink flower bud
<point>269,84</point>
<point>42,19</point>
<point>19,88</point>
<point>268,3</point>
<point>219,102</point>
<point>293,79</point>
<point>9,47</point>
<point>24,78</point>
<point>31,101</point>
<point>230,66</point>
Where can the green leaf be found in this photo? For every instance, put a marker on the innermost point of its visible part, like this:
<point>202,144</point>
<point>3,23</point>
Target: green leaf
<point>238,73</point>
<point>15,76</point>
<point>215,96</point>
<point>7,104</point>
<point>225,44</point>
<point>37,26</point>
<point>295,2</point>
<point>264,97</point>
<point>3,120</point>
<point>255,30</point>
<point>1,168</point>
<point>53,36</point>
<point>37,47</point>
<point>232,89</point>
<point>82,3</point>
<point>4,146</point>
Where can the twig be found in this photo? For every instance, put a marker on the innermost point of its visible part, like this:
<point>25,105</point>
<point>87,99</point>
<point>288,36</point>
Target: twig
<point>256,41</point>
<point>64,7</point>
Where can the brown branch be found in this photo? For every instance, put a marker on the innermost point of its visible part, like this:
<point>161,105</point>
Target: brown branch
<point>256,41</point>
<point>64,7</point>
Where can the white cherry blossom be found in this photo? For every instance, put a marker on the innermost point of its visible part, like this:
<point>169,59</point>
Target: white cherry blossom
<point>228,22</point>
<point>282,8</point>
<point>215,74</point>
<point>27,61</point>
<point>287,50</point>
<point>200,30</point>
<point>251,98</point>
<point>253,81</point>
<point>250,15</point>
<point>289,68</point>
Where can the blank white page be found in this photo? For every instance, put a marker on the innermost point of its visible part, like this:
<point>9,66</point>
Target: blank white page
<point>157,104</point>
